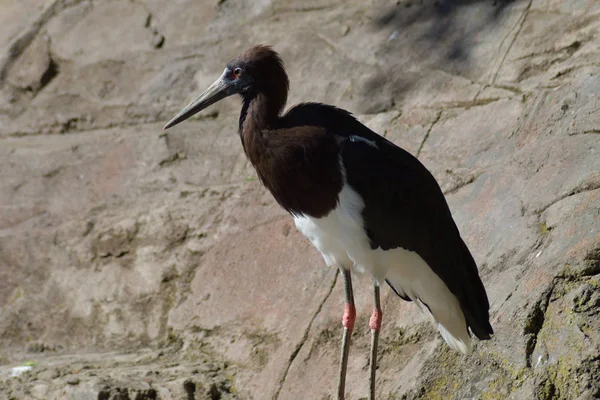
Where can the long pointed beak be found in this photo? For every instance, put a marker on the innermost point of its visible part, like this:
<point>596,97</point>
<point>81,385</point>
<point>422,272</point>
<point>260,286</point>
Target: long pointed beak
<point>217,91</point>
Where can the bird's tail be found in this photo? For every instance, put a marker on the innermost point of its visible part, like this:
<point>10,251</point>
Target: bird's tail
<point>452,326</point>
<point>420,284</point>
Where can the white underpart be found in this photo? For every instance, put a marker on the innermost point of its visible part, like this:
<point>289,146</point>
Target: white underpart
<point>343,242</point>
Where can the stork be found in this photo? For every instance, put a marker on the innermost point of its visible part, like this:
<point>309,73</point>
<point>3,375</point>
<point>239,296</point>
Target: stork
<point>362,201</point>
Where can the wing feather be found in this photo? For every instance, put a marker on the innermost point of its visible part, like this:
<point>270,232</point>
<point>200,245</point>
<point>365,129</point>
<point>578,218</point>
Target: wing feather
<point>405,207</point>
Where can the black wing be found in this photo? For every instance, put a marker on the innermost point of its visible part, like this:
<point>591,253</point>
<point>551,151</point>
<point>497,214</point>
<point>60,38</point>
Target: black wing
<point>405,207</point>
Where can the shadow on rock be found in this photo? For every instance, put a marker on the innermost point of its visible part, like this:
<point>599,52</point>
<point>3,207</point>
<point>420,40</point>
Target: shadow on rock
<point>442,30</point>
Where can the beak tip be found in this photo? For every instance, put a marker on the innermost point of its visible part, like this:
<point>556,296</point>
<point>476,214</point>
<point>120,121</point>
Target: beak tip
<point>169,124</point>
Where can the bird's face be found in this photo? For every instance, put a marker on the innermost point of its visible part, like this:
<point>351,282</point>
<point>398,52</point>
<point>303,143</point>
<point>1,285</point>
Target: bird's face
<point>239,76</point>
<point>235,79</point>
<point>259,69</point>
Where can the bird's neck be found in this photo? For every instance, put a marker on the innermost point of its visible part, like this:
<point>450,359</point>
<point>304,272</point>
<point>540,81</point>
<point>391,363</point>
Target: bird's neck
<point>258,115</point>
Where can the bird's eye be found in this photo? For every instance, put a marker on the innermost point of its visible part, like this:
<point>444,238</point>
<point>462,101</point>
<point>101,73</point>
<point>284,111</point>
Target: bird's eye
<point>237,72</point>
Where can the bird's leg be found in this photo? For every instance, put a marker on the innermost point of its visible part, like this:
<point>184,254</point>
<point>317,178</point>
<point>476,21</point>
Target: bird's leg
<point>348,322</point>
<point>375,325</point>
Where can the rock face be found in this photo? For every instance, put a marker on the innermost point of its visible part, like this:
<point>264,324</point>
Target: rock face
<point>137,264</point>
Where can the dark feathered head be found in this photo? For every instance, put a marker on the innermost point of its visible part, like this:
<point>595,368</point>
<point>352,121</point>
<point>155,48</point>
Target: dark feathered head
<point>258,71</point>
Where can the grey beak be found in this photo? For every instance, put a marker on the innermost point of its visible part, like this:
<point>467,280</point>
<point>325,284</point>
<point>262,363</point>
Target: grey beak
<point>217,91</point>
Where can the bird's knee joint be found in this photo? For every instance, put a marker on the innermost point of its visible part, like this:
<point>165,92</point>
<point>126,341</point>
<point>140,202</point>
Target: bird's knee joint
<point>375,321</point>
<point>349,316</point>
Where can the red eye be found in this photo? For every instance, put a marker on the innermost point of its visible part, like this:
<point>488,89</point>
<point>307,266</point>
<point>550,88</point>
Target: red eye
<point>237,72</point>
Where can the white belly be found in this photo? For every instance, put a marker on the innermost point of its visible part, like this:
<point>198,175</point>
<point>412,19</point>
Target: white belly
<point>341,238</point>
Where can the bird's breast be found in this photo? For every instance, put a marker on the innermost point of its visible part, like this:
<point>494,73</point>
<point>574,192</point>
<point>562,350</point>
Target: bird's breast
<point>301,168</point>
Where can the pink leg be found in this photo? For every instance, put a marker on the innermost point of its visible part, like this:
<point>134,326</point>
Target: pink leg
<point>348,322</point>
<point>375,325</point>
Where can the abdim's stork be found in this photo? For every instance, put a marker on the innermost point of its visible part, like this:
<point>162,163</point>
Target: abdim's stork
<point>361,200</point>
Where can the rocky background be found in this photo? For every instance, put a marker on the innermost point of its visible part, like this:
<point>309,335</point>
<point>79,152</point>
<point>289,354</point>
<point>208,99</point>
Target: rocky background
<point>141,264</point>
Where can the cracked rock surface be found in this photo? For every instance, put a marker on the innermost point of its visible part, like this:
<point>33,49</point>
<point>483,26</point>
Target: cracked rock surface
<point>141,264</point>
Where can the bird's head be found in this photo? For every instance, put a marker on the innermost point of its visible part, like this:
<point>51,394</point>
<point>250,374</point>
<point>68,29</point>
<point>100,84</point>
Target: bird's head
<point>259,70</point>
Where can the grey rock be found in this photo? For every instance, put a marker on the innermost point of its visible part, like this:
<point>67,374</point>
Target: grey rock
<point>48,374</point>
<point>34,68</point>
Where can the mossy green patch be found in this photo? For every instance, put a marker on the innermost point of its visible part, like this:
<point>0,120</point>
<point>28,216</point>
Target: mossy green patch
<point>544,229</point>
<point>558,382</point>
<point>263,344</point>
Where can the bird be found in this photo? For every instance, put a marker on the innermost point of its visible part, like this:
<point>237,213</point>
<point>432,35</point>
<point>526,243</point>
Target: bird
<point>365,203</point>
